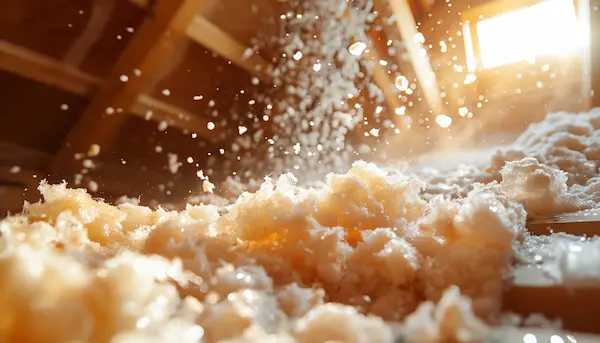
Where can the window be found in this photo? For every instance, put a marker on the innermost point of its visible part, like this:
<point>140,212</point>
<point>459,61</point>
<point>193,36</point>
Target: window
<point>543,29</point>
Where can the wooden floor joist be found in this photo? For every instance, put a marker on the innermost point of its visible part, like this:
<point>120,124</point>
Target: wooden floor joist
<point>152,44</point>
<point>406,24</point>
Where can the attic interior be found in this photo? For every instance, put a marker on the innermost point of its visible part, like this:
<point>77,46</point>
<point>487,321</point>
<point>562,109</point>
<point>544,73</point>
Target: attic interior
<point>63,66</point>
<point>175,103</point>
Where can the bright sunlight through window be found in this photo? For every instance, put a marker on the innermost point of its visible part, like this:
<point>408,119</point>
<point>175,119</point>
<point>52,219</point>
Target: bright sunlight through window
<point>548,28</point>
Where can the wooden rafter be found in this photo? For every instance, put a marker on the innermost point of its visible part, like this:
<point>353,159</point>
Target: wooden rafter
<point>209,35</point>
<point>42,69</point>
<point>45,70</point>
<point>384,82</point>
<point>202,31</point>
<point>406,24</point>
<point>154,41</point>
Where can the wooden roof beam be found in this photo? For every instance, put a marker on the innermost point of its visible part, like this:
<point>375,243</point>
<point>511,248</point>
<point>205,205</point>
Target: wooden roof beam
<point>207,34</point>
<point>42,69</point>
<point>34,66</point>
<point>150,47</point>
<point>407,26</point>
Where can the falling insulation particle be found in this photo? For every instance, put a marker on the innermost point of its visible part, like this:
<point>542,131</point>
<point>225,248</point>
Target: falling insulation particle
<point>443,120</point>
<point>64,107</point>
<point>93,186</point>
<point>148,115</point>
<point>173,163</point>
<point>317,66</point>
<point>242,130</point>
<point>463,111</point>
<point>163,125</point>
<point>166,92</point>
<point>210,125</point>
<point>208,186</point>
<point>400,110</point>
<point>357,48</point>
<point>14,169</point>
<point>470,78</point>
<point>124,78</point>
<point>374,132</point>
<point>94,150</point>
<point>401,83</point>
<point>297,56</point>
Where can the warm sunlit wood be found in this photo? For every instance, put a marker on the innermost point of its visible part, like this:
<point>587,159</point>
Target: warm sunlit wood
<point>145,55</point>
<point>405,22</point>
<point>202,31</point>
<point>34,66</point>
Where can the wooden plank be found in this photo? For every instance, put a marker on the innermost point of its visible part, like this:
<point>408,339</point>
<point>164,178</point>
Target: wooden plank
<point>202,31</point>
<point>34,66</point>
<point>405,22</point>
<point>152,44</point>
<point>385,83</point>
<point>72,80</point>
<point>210,36</point>
<point>101,12</point>
<point>174,116</point>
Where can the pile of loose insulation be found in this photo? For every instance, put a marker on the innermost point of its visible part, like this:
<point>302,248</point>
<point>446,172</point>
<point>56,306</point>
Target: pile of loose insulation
<point>551,168</point>
<point>362,258</point>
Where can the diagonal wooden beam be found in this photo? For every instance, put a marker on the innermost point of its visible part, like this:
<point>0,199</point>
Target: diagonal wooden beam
<point>34,66</point>
<point>406,24</point>
<point>210,36</point>
<point>207,34</point>
<point>154,41</point>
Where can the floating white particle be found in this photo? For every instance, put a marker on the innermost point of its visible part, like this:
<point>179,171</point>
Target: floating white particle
<point>190,159</point>
<point>137,72</point>
<point>383,62</point>
<point>210,125</point>
<point>357,48</point>
<point>166,92</point>
<point>109,110</point>
<point>130,29</point>
<point>242,130</point>
<point>222,151</point>
<point>208,186</point>
<point>14,169</point>
<point>198,97</point>
<point>64,107</point>
<point>265,117</point>
<point>470,78</point>
<point>400,110</point>
<point>463,111</point>
<point>419,38</point>
<point>158,149</point>
<point>317,66</point>
<point>297,56</point>
<point>93,186</point>
<point>148,115</point>
<point>443,120</point>
<point>163,125</point>
<point>374,132</point>
<point>211,103</point>
<point>173,164</point>
<point>94,150</point>
<point>251,102</point>
<point>401,83</point>
<point>124,78</point>
<point>378,109</point>
<point>255,81</point>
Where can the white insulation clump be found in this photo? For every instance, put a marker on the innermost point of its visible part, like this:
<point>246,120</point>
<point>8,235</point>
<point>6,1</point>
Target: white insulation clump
<point>551,168</point>
<point>350,261</point>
